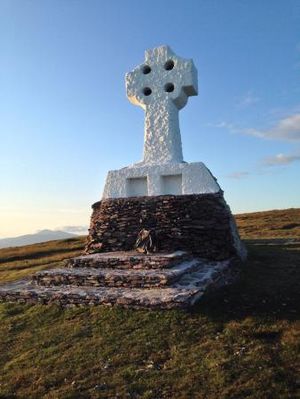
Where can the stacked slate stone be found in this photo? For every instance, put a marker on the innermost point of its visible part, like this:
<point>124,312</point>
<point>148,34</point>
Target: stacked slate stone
<point>127,279</point>
<point>200,224</point>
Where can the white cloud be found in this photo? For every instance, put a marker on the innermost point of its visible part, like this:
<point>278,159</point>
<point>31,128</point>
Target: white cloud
<point>281,159</point>
<point>222,125</point>
<point>248,99</point>
<point>238,175</point>
<point>74,229</point>
<point>287,129</point>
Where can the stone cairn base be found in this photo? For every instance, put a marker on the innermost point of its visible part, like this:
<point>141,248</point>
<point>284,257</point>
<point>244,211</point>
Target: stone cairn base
<point>201,224</point>
<point>128,279</point>
<point>198,250</point>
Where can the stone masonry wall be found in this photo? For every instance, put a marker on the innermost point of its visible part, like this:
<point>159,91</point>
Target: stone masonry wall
<point>201,224</point>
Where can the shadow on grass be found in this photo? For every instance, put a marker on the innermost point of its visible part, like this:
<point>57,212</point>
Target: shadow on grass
<point>268,285</point>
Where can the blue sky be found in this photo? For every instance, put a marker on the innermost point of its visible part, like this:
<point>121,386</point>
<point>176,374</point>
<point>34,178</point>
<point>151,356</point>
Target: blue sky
<point>65,120</point>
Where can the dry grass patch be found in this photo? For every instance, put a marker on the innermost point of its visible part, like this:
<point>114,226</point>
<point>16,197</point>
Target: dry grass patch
<point>19,262</point>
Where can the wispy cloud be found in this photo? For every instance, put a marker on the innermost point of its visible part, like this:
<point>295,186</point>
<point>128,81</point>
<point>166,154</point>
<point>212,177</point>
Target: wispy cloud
<point>248,99</point>
<point>280,160</point>
<point>238,175</point>
<point>74,229</point>
<point>285,129</point>
<point>263,167</point>
<point>223,125</point>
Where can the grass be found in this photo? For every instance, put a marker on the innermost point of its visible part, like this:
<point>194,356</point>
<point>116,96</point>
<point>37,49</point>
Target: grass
<point>242,342</point>
<point>19,262</point>
<point>270,224</point>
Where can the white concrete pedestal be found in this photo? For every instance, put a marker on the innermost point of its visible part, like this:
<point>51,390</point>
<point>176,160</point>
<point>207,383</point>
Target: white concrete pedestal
<point>160,179</point>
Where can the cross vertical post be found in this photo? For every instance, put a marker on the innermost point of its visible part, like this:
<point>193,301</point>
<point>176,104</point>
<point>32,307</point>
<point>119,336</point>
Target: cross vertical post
<point>161,86</point>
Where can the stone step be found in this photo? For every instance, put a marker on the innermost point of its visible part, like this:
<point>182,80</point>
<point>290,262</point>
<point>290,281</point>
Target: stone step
<point>129,260</point>
<point>88,276</point>
<point>185,292</point>
<point>166,298</point>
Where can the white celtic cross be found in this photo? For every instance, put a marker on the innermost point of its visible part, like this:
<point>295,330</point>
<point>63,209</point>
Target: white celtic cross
<point>161,86</point>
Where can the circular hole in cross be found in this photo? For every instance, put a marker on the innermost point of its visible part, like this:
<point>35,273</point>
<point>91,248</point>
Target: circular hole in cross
<point>146,69</point>
<point>147,91</point>
<point>169,65</point>
<point>169,87</point>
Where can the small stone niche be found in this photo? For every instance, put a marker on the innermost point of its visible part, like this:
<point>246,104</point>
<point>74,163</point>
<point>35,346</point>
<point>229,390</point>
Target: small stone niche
<point>136,187</point>
<point>171,185</point>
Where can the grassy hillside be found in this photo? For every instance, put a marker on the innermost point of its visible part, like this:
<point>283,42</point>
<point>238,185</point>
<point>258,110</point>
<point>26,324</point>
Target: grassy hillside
<point>271,224</point>
<point>18,262</point>
<point>241,343</point>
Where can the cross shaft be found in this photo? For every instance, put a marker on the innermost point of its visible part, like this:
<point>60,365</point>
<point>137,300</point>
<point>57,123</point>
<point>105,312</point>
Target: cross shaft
<point>161,86</point>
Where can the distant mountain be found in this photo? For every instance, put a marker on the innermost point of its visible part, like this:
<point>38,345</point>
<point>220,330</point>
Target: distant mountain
<point>41,236</point>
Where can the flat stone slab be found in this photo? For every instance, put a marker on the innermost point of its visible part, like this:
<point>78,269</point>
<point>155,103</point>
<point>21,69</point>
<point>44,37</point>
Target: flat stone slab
<point>26,292</point>
<point>129,260</point>
<point>185,292</point>
<point>88,276</point>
